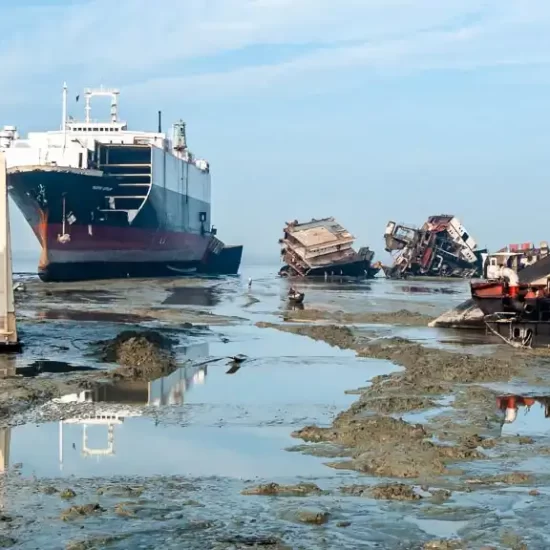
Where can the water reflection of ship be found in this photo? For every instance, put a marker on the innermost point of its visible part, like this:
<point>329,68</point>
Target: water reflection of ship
<point>510,405</point>
<point>169,390</point>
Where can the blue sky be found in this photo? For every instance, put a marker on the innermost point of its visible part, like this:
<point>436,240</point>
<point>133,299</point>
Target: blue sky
<point>368,110</point>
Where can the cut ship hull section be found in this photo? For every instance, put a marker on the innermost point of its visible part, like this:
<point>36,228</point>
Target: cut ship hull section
<point>323,248</point>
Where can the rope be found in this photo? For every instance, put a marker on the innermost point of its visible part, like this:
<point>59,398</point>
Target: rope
<point>507,340</point>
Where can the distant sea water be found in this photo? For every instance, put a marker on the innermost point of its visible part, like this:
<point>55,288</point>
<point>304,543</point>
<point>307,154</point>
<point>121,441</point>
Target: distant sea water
<point>25,261</point>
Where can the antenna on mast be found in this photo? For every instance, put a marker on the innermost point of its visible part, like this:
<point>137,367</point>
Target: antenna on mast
<point>113,94</point>
<point>64,110</point>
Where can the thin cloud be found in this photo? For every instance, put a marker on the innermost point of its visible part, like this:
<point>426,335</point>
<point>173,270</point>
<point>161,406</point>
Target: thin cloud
<point>146,46</point>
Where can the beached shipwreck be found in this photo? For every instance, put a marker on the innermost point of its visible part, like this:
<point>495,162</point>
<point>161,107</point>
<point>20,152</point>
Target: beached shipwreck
<point>323,248</point>
<point>440,248</point>
<point>513,299</point>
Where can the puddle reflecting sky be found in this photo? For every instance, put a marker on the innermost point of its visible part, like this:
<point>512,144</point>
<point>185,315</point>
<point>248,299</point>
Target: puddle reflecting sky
<point>234,425</point>
<point>137,446</point>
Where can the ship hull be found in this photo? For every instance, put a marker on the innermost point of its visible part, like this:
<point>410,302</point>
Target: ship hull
<point>353,269</point>
<point>521,333</point>
<point>82,239</point>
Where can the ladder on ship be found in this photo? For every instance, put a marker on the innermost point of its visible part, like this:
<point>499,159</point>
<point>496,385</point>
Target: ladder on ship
<point>131,167</point>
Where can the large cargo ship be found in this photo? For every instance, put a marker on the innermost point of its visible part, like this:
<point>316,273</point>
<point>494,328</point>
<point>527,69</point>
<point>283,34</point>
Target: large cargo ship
<point>105,201</point>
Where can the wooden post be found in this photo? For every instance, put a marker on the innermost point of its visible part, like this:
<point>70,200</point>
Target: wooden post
<point>8,329</point>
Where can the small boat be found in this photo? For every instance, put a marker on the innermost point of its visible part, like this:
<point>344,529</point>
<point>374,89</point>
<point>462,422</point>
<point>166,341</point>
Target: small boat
<point>295,297</point>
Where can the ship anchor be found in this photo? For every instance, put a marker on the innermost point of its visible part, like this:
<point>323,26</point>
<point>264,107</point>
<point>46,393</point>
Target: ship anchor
<point>64,237</point>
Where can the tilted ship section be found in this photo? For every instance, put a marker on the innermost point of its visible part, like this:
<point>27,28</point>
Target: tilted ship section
<point>105,201</point>
<point>514,296</point>
<point>440,248</point>
<point>323,248</point>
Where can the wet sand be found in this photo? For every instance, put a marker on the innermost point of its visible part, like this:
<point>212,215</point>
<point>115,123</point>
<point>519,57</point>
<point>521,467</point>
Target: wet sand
<point>349,424</point>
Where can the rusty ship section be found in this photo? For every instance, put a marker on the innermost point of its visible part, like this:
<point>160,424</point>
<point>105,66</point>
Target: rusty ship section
<point>440,248</point>
<point>514,296</point>
<point>323,248</point>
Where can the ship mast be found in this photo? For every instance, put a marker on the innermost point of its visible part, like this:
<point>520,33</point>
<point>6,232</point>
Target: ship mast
<point>113,94</point>
<point>64,115</point>
<point>64,111</point>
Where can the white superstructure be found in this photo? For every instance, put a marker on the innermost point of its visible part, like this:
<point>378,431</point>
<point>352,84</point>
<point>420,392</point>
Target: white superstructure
<point>69,146</point>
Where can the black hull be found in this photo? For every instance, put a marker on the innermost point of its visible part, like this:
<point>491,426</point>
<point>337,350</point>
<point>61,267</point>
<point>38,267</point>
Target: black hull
<point>391,273</point>
<point>91,271</point>
<point>359,269</point>
<point>227,262</point>
<point>535,334</point>
<point>161,234</point>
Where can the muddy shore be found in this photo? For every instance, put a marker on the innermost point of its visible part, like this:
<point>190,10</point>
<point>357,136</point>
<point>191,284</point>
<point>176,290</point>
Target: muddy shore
<point>371,431</point>
<point>413,459</point>
<point>401,317</point>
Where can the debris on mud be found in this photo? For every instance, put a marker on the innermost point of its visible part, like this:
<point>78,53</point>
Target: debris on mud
<point>401,317</point>
<point>272,489</point>
<point>343,524</point>
<point>121,491</point>
<point>313,516</point>
<point>80,511</point>
<point>394,404</point>
<point>439,365</point>
<point>356,490</point>
<point>384,491</point>
<point>394,491</point>
<point>513,478</point>
<point>238,542</point>
<point>341,337</point>
<point>362,431</point>
<point>141,355</point>
<point>513,541</point>
<point>92,543</point>
<point>385,446</point>
<point>67,494</point>
<point>444,544</point>
<point>122,509</point>
<point>440,495</point>
<point>324,450</point>
<point>474,441</point>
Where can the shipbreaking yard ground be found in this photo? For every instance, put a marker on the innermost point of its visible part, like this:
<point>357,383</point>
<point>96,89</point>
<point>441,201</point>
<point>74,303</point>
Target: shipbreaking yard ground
<point>397,444</point>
